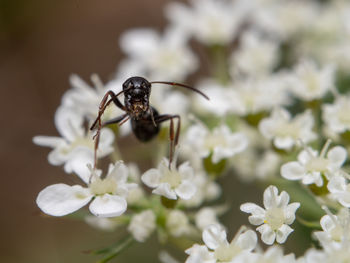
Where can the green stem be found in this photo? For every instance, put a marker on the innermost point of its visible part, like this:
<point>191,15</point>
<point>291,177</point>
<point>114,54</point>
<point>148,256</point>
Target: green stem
<point>126,243</point>
<point>219,61</point>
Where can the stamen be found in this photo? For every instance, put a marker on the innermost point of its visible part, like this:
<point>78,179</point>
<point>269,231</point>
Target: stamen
<point>325,148</point>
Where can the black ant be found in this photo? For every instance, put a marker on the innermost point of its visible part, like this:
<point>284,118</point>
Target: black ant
<point>145,120</point>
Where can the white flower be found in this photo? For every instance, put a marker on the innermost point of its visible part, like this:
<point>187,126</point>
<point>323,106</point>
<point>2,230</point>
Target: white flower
<point>311,166</point>
<point>275,219</point>
<point>218,249</point>
<point>251,96</point>
<point>75,147</point>
<point>171,182</point>
<point>178,224</point>
<point>85,99</point>
<point>336,228</point>
<point>284,131</point>
<point>339,187</point>
<point>108,195</point>
<point>310,82</point>
<point>336,115</point>
<point>255,56</point>
<point>164,57</point>
<point>244,96</point>
<point>211,22</point>
<point>142,225</point>
<point>220,142</point>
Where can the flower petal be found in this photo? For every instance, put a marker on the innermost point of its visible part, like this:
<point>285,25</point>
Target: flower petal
<point>165,190</point>
<point>108,206</point>
<point>151,178</point>
<point>270,196</point>
<point>214,236</point>
<point>267,235</point>
<point>247,241</point>
<point>337,156</point>
<point>186,190</point>
<point>289,213</point>
<point>282,233</point>
<point>292,171</point>
<point>62,199</point>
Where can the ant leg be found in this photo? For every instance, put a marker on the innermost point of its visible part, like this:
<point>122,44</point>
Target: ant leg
<point>174,138</point>
<point>103,105</point>
<point>97,135</point>
<point>115,120</point>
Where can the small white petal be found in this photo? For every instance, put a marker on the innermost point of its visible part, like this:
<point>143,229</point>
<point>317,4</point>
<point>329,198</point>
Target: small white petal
<point>327,223</point>
<point>186,190</point>
<point>270,196</point>
<point>214,236</point>
<point>282,233</point>
<point>337,155</point>
<point>62,199</point>
<point>337,184</point>
<point>165,190</point>
<point>289,212</point>
<point>267,235</point>
<point>151,178</point>
<point>292,171</point>
<point>77,162</point>
<point>247,241</point>
<point>108,206</point>
<point>284,142</point>
<point>48,141</point>
<point>284,199</point>
<point>258,213</point>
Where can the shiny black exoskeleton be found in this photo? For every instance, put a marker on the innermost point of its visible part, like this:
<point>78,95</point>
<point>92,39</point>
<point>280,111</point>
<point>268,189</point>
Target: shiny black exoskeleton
<point>145,120</point>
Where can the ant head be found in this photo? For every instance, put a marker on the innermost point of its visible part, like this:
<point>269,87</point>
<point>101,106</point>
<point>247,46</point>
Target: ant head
<point>136,95</point>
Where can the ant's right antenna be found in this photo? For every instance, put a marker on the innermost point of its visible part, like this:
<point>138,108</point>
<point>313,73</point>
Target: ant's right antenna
<point>181,85</point>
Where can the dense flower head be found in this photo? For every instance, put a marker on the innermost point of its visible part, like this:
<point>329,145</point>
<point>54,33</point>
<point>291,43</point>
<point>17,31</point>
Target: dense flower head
<point>276,74</point>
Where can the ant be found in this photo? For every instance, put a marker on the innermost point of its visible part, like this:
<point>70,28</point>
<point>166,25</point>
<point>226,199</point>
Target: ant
<point>145,119</point>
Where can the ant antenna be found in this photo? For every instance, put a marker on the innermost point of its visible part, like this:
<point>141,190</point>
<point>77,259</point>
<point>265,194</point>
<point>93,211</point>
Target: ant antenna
<point>181,85</point>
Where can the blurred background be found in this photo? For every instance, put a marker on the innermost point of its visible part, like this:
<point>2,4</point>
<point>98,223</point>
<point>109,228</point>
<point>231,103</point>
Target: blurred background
<point>41,44</point>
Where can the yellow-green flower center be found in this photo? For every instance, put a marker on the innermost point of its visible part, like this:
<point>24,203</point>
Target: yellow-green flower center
<point>274,217</point>
<point>103,186</point>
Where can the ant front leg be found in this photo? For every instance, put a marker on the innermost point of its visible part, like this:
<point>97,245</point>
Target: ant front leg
<point>102,107</point>
<point>173,136</point>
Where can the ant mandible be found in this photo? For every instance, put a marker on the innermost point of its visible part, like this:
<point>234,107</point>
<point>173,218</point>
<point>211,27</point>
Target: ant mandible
<point>145,119</point>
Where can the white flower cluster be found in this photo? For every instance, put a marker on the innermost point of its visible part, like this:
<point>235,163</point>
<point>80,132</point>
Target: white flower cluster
<point>278,84</point>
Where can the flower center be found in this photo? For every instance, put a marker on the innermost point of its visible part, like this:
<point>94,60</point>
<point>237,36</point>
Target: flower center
<point>212,141</point>
<point>171,177</point>
<point>103,186</point>
<point>317,164</point>
<point>79,141</point>
<point>274,217</point>
<point>225,252</point>
<point>337,233</point>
